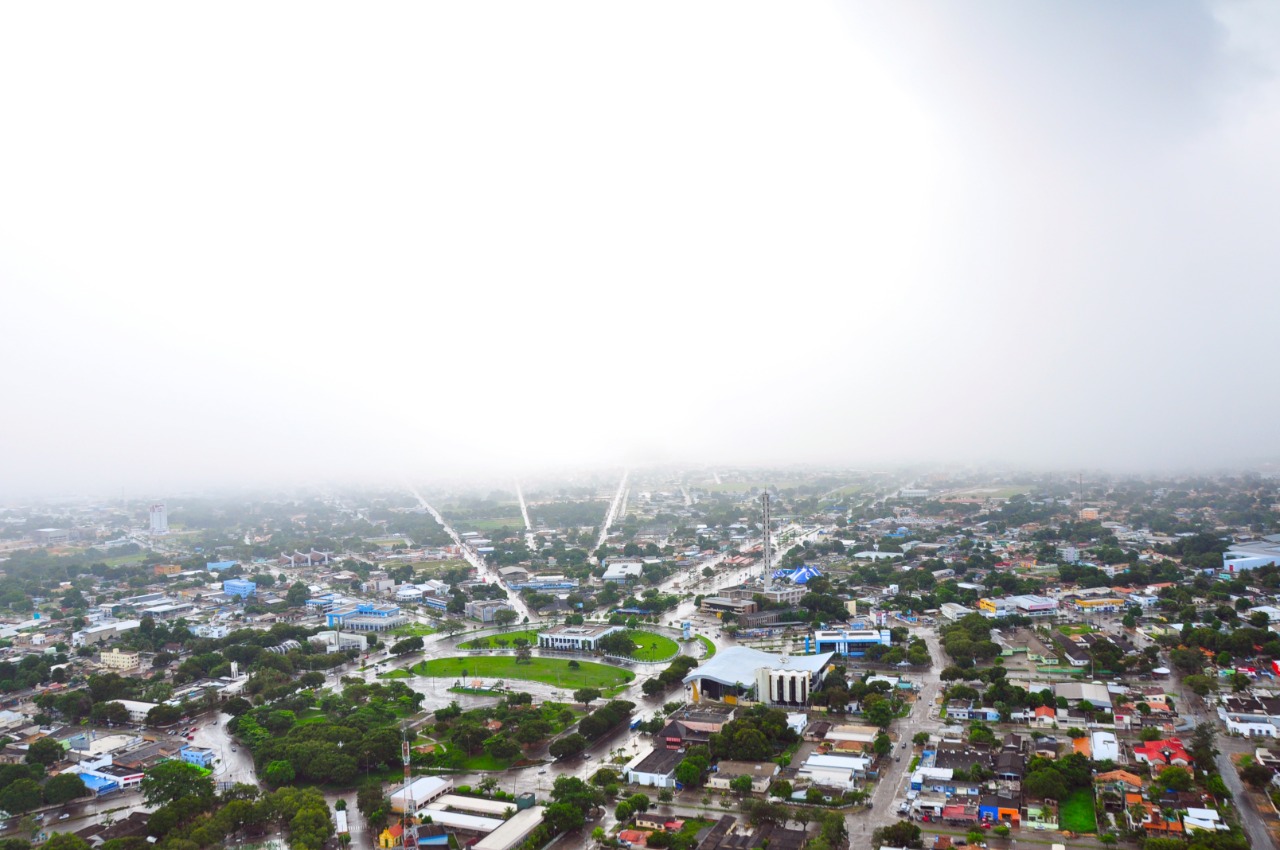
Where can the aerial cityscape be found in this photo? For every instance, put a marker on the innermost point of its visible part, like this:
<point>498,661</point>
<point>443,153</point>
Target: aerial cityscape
<point>567,425</point>
<point>686,658</point>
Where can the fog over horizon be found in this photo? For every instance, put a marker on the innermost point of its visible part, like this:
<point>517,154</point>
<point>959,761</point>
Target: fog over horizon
<point>252,243</point>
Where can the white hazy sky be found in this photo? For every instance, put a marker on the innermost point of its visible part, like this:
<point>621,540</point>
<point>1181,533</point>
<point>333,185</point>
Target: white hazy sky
<point>270,241</point>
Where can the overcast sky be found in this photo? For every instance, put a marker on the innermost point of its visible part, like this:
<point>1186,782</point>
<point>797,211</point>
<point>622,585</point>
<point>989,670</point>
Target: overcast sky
<point>245,242</point>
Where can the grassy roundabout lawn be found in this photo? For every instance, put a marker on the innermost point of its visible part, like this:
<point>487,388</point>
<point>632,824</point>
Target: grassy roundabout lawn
<point>652,647</point>
<point>550,671</point>
<point>491,641</point>
<point>711,647</point>
<point>1076,812</point>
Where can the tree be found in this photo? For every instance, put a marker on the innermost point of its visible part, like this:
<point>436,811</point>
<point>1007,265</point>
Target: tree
<point>278,773</point>
<point>21,795</point>
<point>563,817</point>
<point>689,771</point>
<point>781,788</point>
<point>523,655</point>
<point>297,595</point>
<point>883,746</point>
<point>165,715</point>
<point>1177,778</point>
<point>1046,783</point>
<point>66,841</point>
<point>900,834</point>
<point>1256,775</point>
<point>740,785</point>
<point>920,739</point>
<point>505,616</point>
<point>569,745</point>
<point>46,751</point>
<point>408,645</point>
<point>172,780</point>
<point>1217,787</point>
<point>586,696</point>
<point>64,788</point>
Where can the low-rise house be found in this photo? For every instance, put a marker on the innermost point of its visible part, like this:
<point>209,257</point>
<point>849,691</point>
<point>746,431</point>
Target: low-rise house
<point>760,772</point>
<point>656,768</point>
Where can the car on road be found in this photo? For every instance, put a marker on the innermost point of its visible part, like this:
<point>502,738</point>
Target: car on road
<point>540,772</point>
<point>64,816</point>
<point>233,749</point>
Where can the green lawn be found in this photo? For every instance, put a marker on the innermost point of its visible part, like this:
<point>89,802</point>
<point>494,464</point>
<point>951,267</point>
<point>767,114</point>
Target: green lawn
<point>711,647</point>
<point>1076,629</point>
<point>491,641</point>
<point>412,629</point>
<point>395,674</point>
<point>652,647</point>
<point>123,560</point>
<point>550,671</point>
<point>484,761</point>
<point>1075,813</point>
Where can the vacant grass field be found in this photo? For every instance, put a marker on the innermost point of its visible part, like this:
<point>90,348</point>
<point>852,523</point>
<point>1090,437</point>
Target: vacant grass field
<point>651,646</point>
<point>395,674</point>
<point>515,521</point>
<point>711,647</point>
<point>492,641</point>
<point>1076,629</point>
<point>550,671</point>
<point>124,560</point>
<point>1075,813</point>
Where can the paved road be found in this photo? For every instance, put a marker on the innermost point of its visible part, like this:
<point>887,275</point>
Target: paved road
<point>614,510</point>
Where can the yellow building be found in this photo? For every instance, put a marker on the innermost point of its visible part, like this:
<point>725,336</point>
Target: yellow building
<point>1102,603</point>
<point>1087,514</point>
<point>118,659</point>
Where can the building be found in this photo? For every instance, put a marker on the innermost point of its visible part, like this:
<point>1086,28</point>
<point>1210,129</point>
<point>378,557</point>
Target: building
<point>514,830</point>
<point>421,792</point>
<point>720,605</point>
<point>137,710</point>
<point>1098,604</point>
<point>740,673</point>
<point>239,587</point>
<point>1025,605</point>
<point>102,632</point>
<point>853,642</point>
<point>334,641</point>
<point>760,772</point>
<point>623,571</point>
<point>656,768</point>
<point>580,638</point>
<point>486,610</point>
<point>51,536</point>
<point>167,569</point>
<point>118,659</point>
<point>830,771</point>
<point>365,617</point>
<point>220,566</point>
<point>159,518</point>
<point>199,756</point>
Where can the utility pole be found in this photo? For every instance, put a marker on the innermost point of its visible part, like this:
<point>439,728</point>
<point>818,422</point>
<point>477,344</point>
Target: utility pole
<point>410,826</point>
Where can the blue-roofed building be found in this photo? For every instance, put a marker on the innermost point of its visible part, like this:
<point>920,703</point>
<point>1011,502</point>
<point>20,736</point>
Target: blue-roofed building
<point>853,642</point>
<point>241,587</point>
<point>219,566</point>
<point>99,784</point>
<point>199,756</point>
<point>366,617</point>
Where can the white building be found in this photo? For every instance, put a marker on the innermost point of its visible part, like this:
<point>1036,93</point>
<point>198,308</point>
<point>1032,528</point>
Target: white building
<point>421,792</point>
<point>844,772</point>
<point>581,638</point>
<point>159,518</point>
<point>137,710</point>
<point>656,768</point>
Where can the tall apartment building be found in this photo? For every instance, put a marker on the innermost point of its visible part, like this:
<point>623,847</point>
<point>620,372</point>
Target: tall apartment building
<point>159,518</point>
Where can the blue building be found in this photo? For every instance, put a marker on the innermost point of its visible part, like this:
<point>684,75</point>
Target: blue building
<point>219,566</point>
<point>199,756</point>
<point>366,617</point>
<point>241,587</point>
<point>853,642</point>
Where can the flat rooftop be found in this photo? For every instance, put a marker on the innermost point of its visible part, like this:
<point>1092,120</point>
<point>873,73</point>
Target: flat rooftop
<point>585,631</point>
